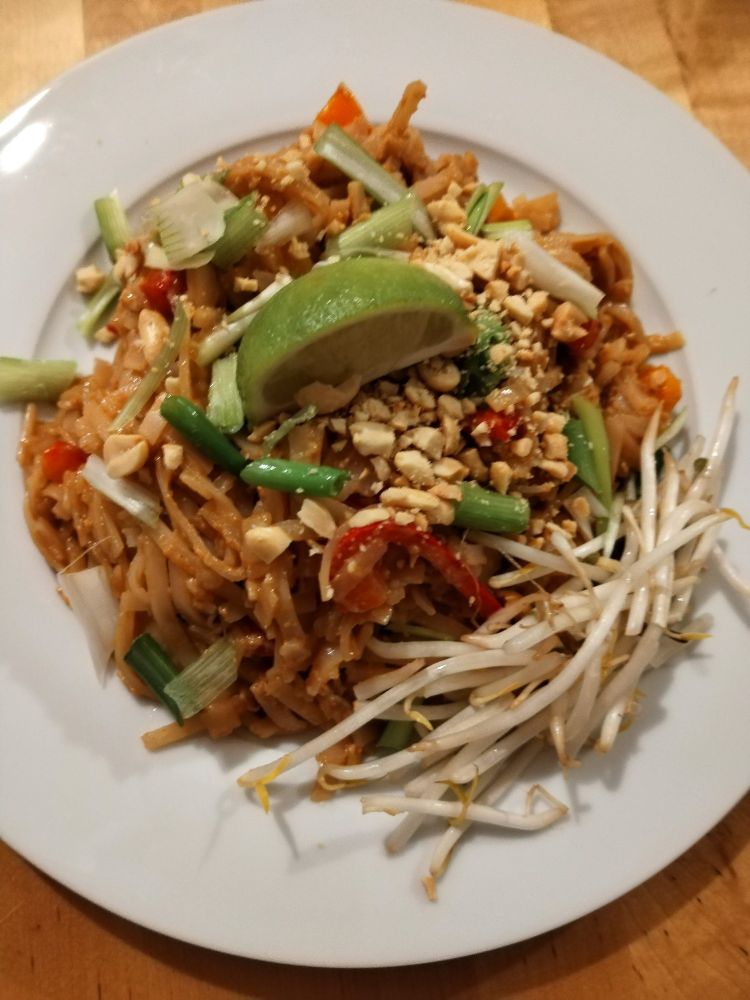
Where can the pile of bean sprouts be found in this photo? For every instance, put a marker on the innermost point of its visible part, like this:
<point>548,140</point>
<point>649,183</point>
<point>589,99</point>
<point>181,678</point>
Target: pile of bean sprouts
<point>559,667</point>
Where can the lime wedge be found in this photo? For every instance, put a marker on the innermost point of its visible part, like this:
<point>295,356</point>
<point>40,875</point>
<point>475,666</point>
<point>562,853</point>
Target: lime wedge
<point>366,316</point>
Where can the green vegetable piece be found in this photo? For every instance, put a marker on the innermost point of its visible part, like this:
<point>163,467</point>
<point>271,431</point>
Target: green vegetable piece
<point>386,229</point>
<point>224,404</point>
<point>592,422</point>
<point>27,381</point>
<point>480,204</point>
<point>300,417</point>
<point>99,305</point>
<point>480,375</point>
<point>154,667</point>
<point>581,455</point>
<point>113,223</point>
<point>244,224</point>
<point>204,679</point>
<point>195,426</point>
<point>497,230</point>
<point>295,477</point>
<point>397,735</point>
<point>484,510</point>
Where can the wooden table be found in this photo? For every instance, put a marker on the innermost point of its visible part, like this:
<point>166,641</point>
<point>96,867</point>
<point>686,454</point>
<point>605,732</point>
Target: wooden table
<point>686,932</point>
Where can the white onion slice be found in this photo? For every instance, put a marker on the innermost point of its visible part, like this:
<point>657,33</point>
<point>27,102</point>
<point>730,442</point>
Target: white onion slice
<point>133,498</point>
<point>556,278</point>
<point>92,602</point>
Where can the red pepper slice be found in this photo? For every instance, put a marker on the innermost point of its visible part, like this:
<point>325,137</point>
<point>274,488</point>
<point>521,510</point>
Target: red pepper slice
<point>342,108</point>
<point>500,426</point>
<point>584,344</point>
<point>419,543</point>
<point>160,289</point>
<point>60,458</point>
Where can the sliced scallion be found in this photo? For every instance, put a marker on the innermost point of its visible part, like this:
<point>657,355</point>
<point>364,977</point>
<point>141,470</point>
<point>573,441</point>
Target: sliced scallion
<point>581,455</point>
<point>98,306</point>
<point>205,679</point>
<point>226,333</point>
<point>386,229</point>
<point>132,497</point>
<point>154,667</point>
<point>292,220</point>
<point>158,370</point>
<point>483,510</point>
<point>295,477</point>
<point>338,148</point>
<point>113,223</point>
<point>30,381</point>
<point>480,205</point>
<point>224,403</point>
<point>300,417</point>
<point>188,222</point>
<point>551,275</point>
<point>397,735</point>
<point>497,230</point>
<point>91,600</point>
<point>592,423</point>
<point>243,225</point>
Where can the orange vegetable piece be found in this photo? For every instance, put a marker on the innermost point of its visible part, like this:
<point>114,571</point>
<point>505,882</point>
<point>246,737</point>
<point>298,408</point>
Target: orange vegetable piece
<point>662,383</point>
<point>342,108</point>
<point>500,211</point>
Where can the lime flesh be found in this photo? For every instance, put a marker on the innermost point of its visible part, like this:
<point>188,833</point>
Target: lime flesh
<point>364,316</point>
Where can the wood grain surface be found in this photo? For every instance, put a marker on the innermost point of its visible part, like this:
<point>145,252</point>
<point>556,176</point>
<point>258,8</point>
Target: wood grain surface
<point>686,932</point>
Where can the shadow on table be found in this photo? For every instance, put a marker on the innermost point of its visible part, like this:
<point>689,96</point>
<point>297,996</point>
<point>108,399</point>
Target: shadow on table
<point>506,972</point>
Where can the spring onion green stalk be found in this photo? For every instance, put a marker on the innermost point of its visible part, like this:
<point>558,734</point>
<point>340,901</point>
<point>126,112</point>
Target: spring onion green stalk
<point>226,333</point>
<point>300,417</point>
<point>154,667</point>
<point>98,306</point>
<point>191,220</point>
<point>243,226</point>
<point>483,510</point>
<point>158,370</point>
<point>29,381</point>
<point>397,735</point>
<point>113,223</point>
<point>224,403</point>
<point>479,373</point>
<point>497,230</point>
<point>205,679</point>
<point>592,423</point>
<point>548,273</point>
<point>351,159</point>
<point>91,600</point>
<point>480,204</point>
<point>195,426</point>
<point>417,632</point>
<point>386,229</point>
<point>136,500</point>
<point>292,220</point>
<point>581,455</point>
<point>295,477</point>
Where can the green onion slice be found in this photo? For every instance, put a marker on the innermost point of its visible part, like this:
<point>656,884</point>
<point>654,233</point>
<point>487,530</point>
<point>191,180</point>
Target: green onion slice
<point>387,229</point>
<point>31,381</point>
<point>158,370</point>
<point>154,667</point>
<point>497,230</point>
<point>132,497</point>
<point>98,306</point>
<point>592,422</point>
<point>351,159</point>
<point>226,333</point>
<point>192,219</point>
<point>113,223</point>
<point>581,455</point>
<point>480,205</point>
<point>244,224</point>
<point>224,403</point>
<point>205,679</point>
<point>397,735</point>
<point>483,510</point>
<point>300,417</point>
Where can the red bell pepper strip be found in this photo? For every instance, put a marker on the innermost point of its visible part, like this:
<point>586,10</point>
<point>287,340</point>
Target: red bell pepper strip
<point>500,426</point>
<point>342,108</point>
<point>160,289</point>
<point>418,543</point>
<point>60,458</point>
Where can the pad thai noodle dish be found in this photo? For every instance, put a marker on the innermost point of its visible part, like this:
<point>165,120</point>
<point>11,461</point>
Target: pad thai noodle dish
<point>377,457</point>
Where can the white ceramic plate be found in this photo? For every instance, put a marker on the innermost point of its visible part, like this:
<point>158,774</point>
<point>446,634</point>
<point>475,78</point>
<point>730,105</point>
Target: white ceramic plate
<point>168,840</point>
